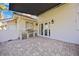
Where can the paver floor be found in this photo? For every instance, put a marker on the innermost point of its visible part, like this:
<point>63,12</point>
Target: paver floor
<point>38,46</point>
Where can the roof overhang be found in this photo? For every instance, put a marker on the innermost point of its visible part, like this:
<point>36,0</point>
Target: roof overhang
<point>32,8</point>
<point>26,15</point>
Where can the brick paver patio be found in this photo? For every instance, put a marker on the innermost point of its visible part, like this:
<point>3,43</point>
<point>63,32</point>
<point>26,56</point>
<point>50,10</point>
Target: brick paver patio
<point>38,46</point>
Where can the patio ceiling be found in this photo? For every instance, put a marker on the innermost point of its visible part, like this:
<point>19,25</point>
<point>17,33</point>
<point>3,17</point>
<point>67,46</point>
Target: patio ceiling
<point>32,8</point>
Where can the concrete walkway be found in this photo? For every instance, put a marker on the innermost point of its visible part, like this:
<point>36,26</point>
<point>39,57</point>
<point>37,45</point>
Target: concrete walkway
<point>38,46</point>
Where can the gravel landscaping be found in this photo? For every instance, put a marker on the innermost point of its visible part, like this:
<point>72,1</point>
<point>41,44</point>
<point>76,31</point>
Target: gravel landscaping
<point>38,46</point>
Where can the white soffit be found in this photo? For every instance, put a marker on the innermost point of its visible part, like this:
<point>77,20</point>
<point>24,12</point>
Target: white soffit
<point>28,15</point>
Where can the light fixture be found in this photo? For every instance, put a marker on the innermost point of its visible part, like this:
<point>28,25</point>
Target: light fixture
<point>52,21</point>
<point>36,24</point>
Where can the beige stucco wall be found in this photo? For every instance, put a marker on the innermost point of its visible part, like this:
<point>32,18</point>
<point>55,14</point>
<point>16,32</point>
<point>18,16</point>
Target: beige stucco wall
<point>15,28</point>
<point>10,33</point>
<point>21,24</point>
<point>64,27</point>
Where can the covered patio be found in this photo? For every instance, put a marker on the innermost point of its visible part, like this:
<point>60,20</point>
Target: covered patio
<point>40,30</point>
<point>38,46</point>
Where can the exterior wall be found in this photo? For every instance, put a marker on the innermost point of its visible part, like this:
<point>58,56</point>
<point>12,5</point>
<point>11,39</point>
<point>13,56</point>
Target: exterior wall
<point>15,28</point>
<point>10,33</point>
<point>64,27</point>
<point>24,23</point>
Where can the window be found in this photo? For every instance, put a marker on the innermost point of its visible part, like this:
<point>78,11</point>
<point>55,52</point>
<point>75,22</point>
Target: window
<point>29,25</point>
<point>49,32</point>
<point>45,32</point>
<point>41,29</point>
<point>49,28</point>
